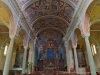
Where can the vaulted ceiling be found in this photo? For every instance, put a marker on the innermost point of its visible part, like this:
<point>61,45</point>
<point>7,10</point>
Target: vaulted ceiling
<point>42,14</point>
<point>94,11</point>
<point>5,14</point>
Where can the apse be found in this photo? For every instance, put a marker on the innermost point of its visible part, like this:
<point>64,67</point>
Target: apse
<point>50,49</point>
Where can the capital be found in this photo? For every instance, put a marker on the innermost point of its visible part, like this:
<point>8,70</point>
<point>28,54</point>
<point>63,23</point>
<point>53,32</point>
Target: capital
<point>85,35</point>
<point>12,36</point>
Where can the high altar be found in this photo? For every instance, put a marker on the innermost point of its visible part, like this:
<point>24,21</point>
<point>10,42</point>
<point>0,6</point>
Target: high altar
<point>50,60</point>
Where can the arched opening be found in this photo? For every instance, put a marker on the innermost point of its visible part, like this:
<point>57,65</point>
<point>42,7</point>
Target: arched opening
<point>4,40</point>
<point>94,31</point>
<point>81,50</point>
<point>94,42</point>
<point>19,49</point>
<point>49,50</point>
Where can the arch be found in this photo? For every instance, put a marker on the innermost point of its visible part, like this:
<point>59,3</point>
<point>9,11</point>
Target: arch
<point>5,13</point>
<point>21,33</point>
<point>50,16</point>
<point>94,41</point>
<point>49,28</point>
<point>94,22</point>
<point>91,6</point>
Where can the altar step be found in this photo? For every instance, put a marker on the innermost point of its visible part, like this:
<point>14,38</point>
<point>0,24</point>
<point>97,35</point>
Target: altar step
<point>53,74</point>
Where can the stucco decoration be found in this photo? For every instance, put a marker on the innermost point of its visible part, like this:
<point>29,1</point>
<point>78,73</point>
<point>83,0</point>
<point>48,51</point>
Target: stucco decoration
<point>85,26</point>
<point>74,40</point>
<point>51,7</point>
<point>12,28</point>
<point>51,23</point>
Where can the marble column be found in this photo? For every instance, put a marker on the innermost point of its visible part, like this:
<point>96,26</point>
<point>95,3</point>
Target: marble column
<point>90,56</point>
<point>24,61</point>
<point>33,55</point>
<point>30,58</point>
<point>74,45</point>
<point>67,56</point>
<point>25,45</point>
<point>8,58</point>
<point>76,60</point>
<point>30,63</point>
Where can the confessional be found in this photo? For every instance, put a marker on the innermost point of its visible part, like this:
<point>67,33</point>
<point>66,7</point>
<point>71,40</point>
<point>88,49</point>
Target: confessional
<point>50,59</point>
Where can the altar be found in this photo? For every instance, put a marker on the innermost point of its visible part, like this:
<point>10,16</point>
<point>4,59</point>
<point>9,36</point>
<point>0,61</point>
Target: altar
<point>50,60</point>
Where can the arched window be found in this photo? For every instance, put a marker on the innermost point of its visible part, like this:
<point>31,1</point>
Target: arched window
<point>6,49</point>
<point>93,49</point>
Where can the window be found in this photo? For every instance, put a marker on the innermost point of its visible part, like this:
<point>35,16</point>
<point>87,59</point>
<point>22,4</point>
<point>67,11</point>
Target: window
<point>93,49</point>
<point>6,49</point>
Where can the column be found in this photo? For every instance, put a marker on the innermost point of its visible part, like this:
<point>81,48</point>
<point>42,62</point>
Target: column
<point>67,57</point>
<point>8,58</point>
<point>76,60</point>
<point>24,61</point>
<point>90,57</point>
<point>25,45</point>
<point>33,55</point>
<point>30,58</point>
<point>74,45</point>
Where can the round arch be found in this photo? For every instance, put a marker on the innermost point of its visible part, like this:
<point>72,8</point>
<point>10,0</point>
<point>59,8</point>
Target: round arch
<point>50,28</point>
<point>5,13</point>
<point>50,16</point>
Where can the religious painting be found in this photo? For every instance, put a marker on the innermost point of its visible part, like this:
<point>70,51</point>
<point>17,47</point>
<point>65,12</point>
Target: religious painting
<point>19,59</point>
<point>81,58</point>
<point>50,54</point>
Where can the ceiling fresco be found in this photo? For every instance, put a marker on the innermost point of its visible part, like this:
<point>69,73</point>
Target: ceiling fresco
<point>22,2</point>
<point>43,8</point>
<point>50,23</point>
<point>47,34</point>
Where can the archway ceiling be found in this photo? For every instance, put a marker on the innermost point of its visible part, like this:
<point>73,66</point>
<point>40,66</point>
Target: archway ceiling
<point>94,11</point>
<point>5,17</point>
<point>50,33</point>
<point>55,8</point>
<point>50,23</point>
<point>5,14</point>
